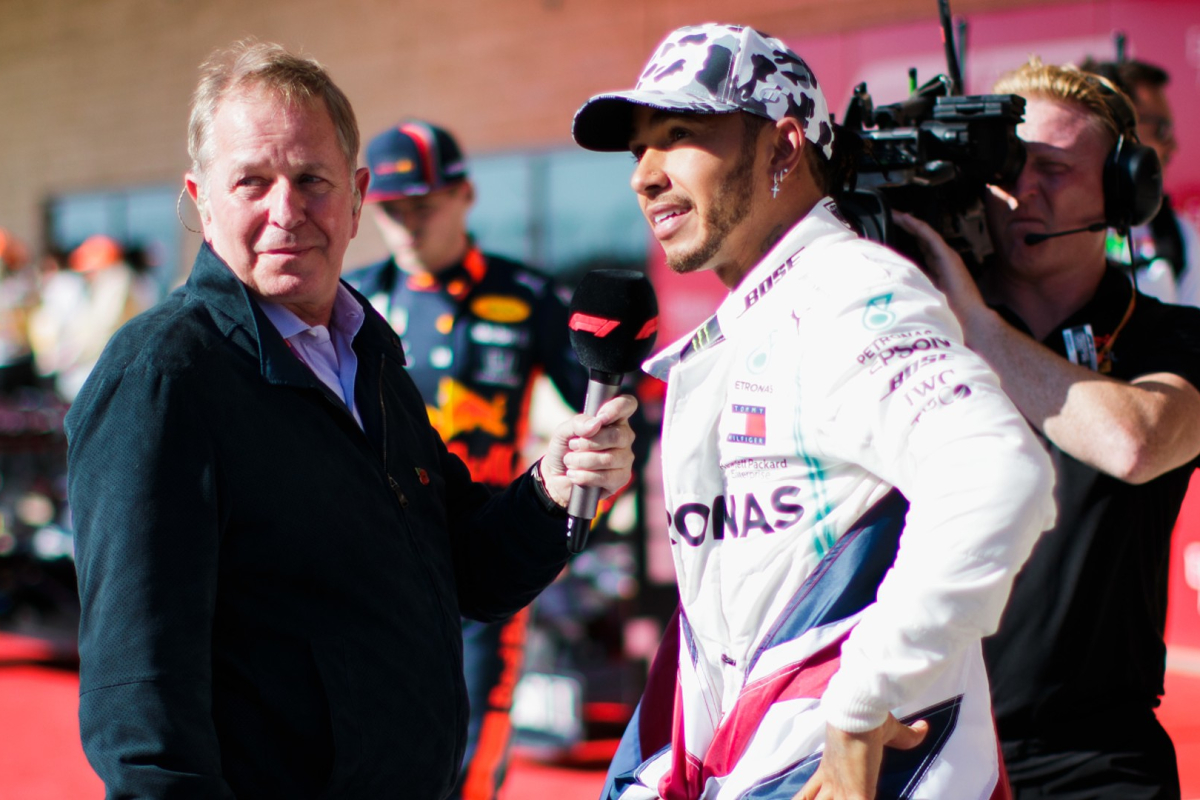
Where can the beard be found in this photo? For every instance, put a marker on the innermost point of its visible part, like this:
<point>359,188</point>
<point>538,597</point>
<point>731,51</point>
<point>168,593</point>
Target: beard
<point>731,205</point>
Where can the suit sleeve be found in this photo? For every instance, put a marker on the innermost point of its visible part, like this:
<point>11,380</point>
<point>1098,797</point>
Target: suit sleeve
<point>142,492</point>
<point>908,401</point>
<point>506,548</point>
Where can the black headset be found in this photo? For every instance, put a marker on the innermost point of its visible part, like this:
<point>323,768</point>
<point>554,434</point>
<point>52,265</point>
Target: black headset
<point>1132,174</point>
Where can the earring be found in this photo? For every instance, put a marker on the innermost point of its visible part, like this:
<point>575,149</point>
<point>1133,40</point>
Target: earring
<point>775,181</point>
<point>179,211</point>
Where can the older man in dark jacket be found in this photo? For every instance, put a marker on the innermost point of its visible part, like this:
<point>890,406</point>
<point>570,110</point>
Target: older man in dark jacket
<point>274,546</point>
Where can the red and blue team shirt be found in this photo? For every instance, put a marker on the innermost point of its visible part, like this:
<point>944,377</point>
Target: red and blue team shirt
<point>476,337</point>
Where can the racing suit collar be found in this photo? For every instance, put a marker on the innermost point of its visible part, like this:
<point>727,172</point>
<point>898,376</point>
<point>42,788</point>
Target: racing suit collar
<point>736,309</point>
<point>457,280</point>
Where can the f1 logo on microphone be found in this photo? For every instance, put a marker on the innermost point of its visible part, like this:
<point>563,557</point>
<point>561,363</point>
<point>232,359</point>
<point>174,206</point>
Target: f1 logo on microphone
<point>597,326</point>
<point>601,327</point>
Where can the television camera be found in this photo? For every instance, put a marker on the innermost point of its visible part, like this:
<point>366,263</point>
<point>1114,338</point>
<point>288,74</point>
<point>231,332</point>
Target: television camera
<point>932,155</point>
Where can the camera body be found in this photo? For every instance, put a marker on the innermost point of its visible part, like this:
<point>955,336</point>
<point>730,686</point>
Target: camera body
<point>932,156</point>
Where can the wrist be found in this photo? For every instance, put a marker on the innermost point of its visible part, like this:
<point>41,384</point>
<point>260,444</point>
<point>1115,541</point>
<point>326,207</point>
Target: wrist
<point>547,501</point>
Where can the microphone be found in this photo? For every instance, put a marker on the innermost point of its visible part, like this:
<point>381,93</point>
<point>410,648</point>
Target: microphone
<point>1038,238</point>
<point>612,324</point>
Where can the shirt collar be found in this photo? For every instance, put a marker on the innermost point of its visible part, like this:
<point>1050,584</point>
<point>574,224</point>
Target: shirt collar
<point>347,316</point>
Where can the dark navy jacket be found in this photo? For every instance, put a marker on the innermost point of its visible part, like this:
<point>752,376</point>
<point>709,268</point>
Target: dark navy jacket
<point>271,596</point>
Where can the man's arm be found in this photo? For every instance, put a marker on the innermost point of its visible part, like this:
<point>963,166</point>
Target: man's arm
<point>510,547</point>
<point>1133,431</point>
<point>908,403</point>
<point>143,500</point>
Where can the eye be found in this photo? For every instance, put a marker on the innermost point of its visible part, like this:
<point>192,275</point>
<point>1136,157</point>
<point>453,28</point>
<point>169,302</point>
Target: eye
<point>676,133</point>
<point>636,152</point>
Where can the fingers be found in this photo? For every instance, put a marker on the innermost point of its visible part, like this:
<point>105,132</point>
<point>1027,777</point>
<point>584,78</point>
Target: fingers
<point>905,737</point>
<point>608,429</point>
<point>617,410</point>
<point>592,451</point>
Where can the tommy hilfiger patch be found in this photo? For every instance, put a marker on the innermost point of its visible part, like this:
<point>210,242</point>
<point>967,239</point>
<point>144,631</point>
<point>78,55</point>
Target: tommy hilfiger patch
<point>755,431</point>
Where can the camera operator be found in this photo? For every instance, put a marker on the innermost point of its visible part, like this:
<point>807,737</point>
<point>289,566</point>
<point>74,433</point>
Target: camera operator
<point>1108,376</point>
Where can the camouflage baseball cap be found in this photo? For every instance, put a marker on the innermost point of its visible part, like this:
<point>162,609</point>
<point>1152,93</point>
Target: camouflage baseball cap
<point>712,69</point>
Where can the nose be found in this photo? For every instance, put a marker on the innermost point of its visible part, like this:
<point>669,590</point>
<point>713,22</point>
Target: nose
<point>1012,194</point>
<point>1169,145</point>
<point>649,179</point>
<point>287,204</point>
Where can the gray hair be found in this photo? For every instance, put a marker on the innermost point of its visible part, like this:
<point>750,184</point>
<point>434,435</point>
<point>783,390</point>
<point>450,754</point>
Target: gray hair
<point>252,64</point>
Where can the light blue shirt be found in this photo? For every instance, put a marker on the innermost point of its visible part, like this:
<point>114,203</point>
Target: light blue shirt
<point>325,351</point>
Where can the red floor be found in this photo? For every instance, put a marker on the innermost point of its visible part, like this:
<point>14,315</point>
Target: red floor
<point>41,759</point>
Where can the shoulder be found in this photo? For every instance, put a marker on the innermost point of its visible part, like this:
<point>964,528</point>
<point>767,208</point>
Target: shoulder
<point>509,276</point>
<point>179,337</point>
<point>1162,337</point>
<point>1160,317</point>
<point>850,272</point>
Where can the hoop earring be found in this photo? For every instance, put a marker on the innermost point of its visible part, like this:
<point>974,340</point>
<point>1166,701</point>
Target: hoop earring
<point>776,179</point>
<point>179,211</point>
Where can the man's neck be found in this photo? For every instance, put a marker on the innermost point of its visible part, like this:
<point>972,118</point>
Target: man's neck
<point>733,272</point>
<point>1044,302</point>
<point>413,264</point>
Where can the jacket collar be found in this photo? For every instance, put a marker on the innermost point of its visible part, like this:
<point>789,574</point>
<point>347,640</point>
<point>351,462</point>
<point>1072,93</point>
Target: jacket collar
<point>241,320</point>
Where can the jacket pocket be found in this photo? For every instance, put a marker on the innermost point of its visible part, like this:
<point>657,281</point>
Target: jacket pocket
<point>342,702</point>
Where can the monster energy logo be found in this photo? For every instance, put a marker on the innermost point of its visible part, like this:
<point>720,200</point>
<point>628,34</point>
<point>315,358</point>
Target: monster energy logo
<point>707,336</point>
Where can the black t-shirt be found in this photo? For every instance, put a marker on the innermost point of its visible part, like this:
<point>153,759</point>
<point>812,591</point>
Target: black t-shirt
<point>1082,633</point>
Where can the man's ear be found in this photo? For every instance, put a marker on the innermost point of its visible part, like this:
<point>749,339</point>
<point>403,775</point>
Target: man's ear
<point>469,192</point>
<point>362,179</point>
<point>788,146</point>
<point>197,194</point>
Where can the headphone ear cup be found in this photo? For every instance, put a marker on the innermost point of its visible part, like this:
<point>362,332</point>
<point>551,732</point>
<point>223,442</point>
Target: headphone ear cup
<point>1132,185</point>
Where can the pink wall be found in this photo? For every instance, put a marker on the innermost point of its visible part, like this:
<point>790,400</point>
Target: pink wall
<point>1164,32</point>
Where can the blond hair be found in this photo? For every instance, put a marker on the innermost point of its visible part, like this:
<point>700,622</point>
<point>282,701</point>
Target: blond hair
<point>264,65</point>
<point>1095,94</point>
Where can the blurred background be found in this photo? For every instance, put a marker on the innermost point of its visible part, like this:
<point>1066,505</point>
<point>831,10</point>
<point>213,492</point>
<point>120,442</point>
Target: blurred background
<point>93,110</point>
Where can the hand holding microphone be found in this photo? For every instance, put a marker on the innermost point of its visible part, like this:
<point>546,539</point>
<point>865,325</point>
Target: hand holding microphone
<point>612,325</point>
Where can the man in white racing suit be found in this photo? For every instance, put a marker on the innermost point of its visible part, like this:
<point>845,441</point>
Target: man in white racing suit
<point>849,491</point>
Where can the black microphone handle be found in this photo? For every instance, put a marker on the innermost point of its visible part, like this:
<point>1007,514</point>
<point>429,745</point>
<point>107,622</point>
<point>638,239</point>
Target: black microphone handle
<point>602,387</point>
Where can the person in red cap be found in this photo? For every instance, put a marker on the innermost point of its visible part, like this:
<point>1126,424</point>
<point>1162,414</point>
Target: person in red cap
<point>478,330</point>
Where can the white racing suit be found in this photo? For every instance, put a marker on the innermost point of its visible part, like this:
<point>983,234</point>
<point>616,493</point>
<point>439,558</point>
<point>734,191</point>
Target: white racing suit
<point>849,496</point>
